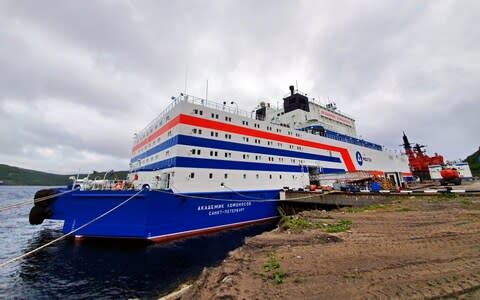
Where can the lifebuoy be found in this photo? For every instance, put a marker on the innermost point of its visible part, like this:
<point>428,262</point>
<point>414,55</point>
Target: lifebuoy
<point>118,185</point>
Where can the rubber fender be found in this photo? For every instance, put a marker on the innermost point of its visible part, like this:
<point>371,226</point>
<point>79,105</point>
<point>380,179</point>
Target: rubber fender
<point>38,214</point>
<point>44,193</point>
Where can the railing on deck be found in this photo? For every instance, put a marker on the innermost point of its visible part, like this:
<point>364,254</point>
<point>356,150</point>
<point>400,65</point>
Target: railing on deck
<point>155,123</point>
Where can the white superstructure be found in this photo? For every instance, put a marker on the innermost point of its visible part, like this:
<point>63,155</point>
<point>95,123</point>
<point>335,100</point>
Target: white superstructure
<point>197,145</point>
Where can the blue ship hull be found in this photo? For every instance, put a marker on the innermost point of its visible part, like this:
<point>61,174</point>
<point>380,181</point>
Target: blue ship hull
<point>160,215</point>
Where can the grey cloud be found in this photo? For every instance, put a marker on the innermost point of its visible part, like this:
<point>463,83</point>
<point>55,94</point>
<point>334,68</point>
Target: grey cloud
<point>110,67</point>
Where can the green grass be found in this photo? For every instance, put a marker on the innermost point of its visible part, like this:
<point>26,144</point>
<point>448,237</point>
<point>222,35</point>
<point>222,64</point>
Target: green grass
<point>295,223</point>
<point>272,268</point>
<point>340,226</point>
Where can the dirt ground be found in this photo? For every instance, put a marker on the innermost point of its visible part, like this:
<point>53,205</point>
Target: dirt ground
<point>414,248</point>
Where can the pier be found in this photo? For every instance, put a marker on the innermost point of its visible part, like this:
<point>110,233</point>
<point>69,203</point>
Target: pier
<point>294,201</point>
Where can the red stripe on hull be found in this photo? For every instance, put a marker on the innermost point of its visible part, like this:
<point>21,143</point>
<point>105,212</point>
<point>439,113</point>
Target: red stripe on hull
<point>182,235</point>
<point>177,236</point>
<point>195,121</point>
<point>174,122</point>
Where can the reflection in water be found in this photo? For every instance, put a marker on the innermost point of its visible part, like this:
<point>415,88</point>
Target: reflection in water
<point>116,269</point>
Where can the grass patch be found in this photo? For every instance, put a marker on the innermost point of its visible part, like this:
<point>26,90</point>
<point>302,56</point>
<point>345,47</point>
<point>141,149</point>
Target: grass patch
<point>340,226</point>
<point>362,209</point>
<point>295,223</point>
<point>272,268</point>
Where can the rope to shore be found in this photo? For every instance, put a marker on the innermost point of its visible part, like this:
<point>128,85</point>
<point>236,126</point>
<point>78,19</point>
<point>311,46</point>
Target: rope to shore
<point>230,200</point>
<point>69,233</point>
<point>7,207</point>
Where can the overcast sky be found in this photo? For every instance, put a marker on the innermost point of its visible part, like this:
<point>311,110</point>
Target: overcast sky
<point>78,78</point>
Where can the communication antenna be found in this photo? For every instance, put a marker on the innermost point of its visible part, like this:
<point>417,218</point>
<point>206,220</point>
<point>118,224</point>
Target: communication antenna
<point>206,91</point>
<point>296,83</point>
<point>186,77</point>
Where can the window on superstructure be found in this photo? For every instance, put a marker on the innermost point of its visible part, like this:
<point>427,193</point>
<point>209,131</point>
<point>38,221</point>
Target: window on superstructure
<point>269,143</point>
<point>228,136</point>
<point>213,116</point>
<point>210,175</point>
<point>244,176</point>
<point>245,139</point>
<point>270,176</point>
<point>211,153</point>
<point>194,130</point>
<point>280,145</point>
<point>257,176</point>
<point>216,116</point>
<point>280,176</point>
<point>225,176</point>
<point>167,153</point>
<point>195,111</point>
<point>291,146</point>
<point>192,175</point>
<point>201,112</point>
<point>216,153</point>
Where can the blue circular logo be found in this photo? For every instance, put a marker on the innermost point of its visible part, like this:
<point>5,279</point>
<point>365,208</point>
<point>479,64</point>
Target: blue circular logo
<point>359,157</point>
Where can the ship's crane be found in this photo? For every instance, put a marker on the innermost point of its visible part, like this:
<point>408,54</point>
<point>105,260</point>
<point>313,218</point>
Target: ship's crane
<point>419,160</point>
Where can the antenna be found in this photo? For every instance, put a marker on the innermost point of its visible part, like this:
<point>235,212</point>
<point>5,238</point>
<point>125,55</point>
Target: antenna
<point>206,91</point>
<point>186,77</point>
<point>296,83</point>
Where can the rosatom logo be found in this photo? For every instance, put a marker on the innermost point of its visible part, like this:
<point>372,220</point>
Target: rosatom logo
<point>358,155</point>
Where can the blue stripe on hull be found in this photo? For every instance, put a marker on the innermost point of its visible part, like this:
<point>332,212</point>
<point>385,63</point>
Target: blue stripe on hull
<point>206,163</point>
<point>155,214</point>
<point>231,146</point>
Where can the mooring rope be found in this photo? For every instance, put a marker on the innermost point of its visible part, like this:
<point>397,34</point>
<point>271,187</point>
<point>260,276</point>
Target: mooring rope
<point>229,200</point>
<point>68,233</point>
<point>7,207</point>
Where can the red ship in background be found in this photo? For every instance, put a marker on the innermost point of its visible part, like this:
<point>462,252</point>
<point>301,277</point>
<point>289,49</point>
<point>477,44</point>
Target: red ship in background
<point>418,160</point>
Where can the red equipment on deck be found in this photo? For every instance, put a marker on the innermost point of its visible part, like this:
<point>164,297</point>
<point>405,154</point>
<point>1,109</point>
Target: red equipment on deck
<point>418,160</point>
<point>450,175</point>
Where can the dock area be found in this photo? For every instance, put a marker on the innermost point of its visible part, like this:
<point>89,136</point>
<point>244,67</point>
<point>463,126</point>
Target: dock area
<point>301,200</point>
<point>418,246</point>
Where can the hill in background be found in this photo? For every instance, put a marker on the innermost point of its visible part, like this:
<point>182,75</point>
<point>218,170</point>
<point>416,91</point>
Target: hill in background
<point>18,176</point>
<point>474,162</point>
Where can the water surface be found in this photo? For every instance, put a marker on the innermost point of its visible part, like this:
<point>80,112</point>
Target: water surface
<point>99,269</point>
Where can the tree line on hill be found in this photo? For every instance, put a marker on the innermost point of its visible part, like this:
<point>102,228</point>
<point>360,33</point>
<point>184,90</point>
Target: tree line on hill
<point>10,175</point>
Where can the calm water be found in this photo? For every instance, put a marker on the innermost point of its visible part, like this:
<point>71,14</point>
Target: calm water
<point>103,270</point>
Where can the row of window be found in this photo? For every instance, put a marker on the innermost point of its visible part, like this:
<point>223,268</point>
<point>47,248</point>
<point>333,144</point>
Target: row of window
<point>257,176</point>
<point>215,154</point>
<point>244,156</point>
<point>244,122</point>
<point>228,136</point>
